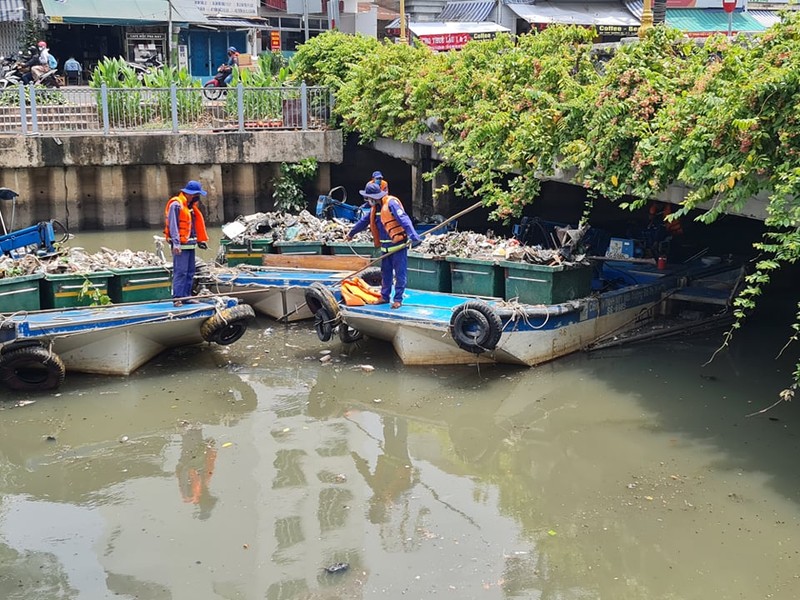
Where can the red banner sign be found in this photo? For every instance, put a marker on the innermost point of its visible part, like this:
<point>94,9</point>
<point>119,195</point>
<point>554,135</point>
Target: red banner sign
<point>275,40</point>
<point>454,41</point>
<point>729,5</point>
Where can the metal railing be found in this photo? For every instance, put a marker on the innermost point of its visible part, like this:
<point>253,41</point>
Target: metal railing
<point>35,110</point>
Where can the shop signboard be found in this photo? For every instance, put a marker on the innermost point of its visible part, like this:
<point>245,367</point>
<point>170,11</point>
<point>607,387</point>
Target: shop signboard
<point>275,40</point>
<point>454,41</point>
<point>142,46</point>
<point>617,31</point>
<point>238,8</point>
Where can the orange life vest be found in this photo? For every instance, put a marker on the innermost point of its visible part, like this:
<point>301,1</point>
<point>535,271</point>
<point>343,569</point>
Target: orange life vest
<point>384,184</point>
<point>673,226</point>
<point>393,227</point>
<point>356,292</point>
<point>185,217</point>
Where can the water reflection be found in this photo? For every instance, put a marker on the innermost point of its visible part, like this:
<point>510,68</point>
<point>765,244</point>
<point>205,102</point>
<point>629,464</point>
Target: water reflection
<point>392,475</point>
<point>195,469</point>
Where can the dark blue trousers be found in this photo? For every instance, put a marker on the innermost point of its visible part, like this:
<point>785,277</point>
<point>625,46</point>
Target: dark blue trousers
<point>183,268</point>
<point>394,267</point>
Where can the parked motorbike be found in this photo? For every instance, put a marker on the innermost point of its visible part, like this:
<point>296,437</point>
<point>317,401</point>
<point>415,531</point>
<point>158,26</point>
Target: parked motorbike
<point>148,65</point>
<point>214,88</point>
<point>10,72</point>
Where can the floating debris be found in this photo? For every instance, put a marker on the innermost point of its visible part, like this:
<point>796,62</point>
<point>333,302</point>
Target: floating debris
<point>338,567</point>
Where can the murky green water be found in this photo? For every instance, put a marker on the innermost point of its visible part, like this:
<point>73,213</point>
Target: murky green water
<point>241,472</point>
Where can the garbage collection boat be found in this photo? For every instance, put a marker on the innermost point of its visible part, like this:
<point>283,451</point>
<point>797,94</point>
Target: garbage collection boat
<point>279,292</point>
<point>435,328</point>
<point>37,348</point>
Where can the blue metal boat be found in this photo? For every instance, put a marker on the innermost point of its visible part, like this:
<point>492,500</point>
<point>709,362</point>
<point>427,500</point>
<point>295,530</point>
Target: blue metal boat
<point>37,348</point>
<point>433,328</point>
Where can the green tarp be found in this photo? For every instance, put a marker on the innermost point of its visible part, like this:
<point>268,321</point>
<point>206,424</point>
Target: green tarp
<point>129,12</point>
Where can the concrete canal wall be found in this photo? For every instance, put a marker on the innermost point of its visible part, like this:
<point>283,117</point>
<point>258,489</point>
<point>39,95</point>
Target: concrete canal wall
<point>113,182</point>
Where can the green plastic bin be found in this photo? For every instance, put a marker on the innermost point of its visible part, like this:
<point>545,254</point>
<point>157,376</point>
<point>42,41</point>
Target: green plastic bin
<point>140,284</point>
<point>366,249</point>
<point>428,273</point>
<point>20,293</point>
<point>298,247</point>
<point>66,290</point>
<point>250,253</point>
<point>476,277</point>
<point>542,284</point>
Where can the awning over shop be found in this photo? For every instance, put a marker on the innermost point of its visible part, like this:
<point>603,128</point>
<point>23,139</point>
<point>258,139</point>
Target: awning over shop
<point>453,35</point>
<point>12,10</point>
<point>129,12</point>
<point>701,22</point>
<point>767,18</point>
<point>603,15</point>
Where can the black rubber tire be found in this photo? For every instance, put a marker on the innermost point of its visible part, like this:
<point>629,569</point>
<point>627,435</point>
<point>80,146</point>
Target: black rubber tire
<point>323,324</point>
<point>372,276</point>
<point>211,91</point>
<point>348,335</point>
<point>32,368</point>
<point>318,296</point>
<point>476,327</point>
<point>228,325</point>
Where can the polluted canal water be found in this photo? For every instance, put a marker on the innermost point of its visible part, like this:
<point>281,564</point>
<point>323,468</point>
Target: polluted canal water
<point>283,468</point>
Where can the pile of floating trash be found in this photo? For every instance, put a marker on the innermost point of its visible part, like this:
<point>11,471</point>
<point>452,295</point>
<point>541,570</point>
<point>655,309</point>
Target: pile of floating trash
<point>77,260</point>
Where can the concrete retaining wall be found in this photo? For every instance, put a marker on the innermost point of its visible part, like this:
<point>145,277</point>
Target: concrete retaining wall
<point>98,182</point>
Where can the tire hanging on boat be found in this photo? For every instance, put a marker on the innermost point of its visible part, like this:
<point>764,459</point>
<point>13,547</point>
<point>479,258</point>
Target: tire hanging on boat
<point>228,325</point>
<point>323,305</point>
<point>348,334</point>
<point>372,275</point>
<point>476,327</point>
<point>31,368</point>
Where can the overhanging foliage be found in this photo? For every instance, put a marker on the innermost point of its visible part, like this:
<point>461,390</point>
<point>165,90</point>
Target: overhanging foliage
<point>722,117</point>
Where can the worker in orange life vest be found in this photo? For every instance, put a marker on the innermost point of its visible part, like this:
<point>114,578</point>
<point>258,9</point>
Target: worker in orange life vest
<point>377,177</point>
<point>185,229</point>
<point>391,230</point>
<point>659,211</point>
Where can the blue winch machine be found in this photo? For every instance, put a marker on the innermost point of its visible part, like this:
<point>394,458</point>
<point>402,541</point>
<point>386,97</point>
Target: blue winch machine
<point>329,207</point>
<point>41,235</point>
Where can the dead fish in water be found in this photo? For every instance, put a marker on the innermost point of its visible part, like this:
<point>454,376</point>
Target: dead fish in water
<point>337,568</point>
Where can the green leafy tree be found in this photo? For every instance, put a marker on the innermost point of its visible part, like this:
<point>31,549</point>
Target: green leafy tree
<point>30,33</point>
<point>288,186</point>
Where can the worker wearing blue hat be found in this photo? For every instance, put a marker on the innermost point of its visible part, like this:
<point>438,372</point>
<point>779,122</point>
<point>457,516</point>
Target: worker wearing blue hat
<point>185,230</point>
<point>377,177</point>
<point>392,230</point>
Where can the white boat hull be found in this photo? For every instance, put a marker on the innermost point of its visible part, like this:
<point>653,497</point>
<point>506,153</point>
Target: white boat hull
<point>122,351</point>
<point>280,303</point>
<point>423,344</point>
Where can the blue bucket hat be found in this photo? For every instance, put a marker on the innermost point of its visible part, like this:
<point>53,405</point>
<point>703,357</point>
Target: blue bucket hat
<point>373,191</point>
<point>377,175</point>
<point>193,188</point>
